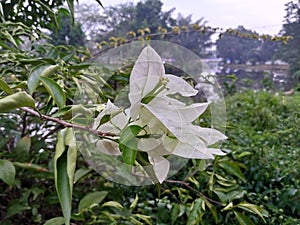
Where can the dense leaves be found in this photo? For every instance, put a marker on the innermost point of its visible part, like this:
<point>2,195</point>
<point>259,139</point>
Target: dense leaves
<point>45,180</point>
<point>265,127</point>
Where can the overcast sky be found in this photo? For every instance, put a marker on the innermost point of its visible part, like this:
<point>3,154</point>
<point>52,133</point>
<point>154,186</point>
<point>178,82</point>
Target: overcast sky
<point>263,16</point>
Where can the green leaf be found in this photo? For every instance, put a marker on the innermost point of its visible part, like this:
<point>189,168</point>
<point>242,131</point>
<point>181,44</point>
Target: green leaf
<point>81,173</point>
<point>253,209</point>
<point>79,66</point>
<point>104,120</point>
<point>202,164</point>
<point>134,203</point>
<point>128,154</point>
<point>37,61</point>
<point>55,221</point>
<point>91,199</point>
<point>31,166</point>
<point>175,213</point>
<point>196,214</point>
<point>7,172</point>
<point>15,209</point>
<point>62,186</point>
<point>2,13</point>
<point>242,219</point>
<point>222,196</point>
<point>68,57</point>
<point>34,78</point>
<point>112,204</point>
<point>22,149</point>
<point>232,168</point>
<point>16,100</point>
<point>128,143</point>
<point>5,87</point>
<point>55,91</point>
<point>70,141</point>
<point>213,210</point>
<point>10,38</point>
<point>71,8</point>
<point>63,111</point>
<point>64,168</point>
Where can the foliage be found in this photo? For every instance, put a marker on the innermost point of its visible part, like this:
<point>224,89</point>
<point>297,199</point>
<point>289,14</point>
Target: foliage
<point>42,169</point>
<point>31,13</point>
<point>290,51</point>
<point>129,21</point>
<point>238,50</point>
<point>67,33</point>
<point>117,21</point>
<point>263,134</point>
<point>46,162</point>
<point>195,40</point>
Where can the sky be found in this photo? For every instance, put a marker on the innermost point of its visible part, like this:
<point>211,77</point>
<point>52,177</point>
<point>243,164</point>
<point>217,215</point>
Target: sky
<point>263,16</point>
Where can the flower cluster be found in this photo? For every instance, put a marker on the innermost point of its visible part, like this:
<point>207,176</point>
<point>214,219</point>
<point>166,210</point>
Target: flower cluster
<point>165,122</point>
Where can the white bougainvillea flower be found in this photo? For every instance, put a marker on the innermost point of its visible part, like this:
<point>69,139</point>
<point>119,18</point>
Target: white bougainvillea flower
<point>111,119</point>
<point>166,115</point>
<point>167,121</point>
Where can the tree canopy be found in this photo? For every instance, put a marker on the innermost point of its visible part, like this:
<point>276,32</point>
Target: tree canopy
<point>237,49</point>
<point>290,51</point>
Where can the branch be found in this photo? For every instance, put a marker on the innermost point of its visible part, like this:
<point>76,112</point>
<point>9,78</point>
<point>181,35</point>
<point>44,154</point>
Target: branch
<point>66,124</point>
<point>24,124</point>
<point>195,190</point>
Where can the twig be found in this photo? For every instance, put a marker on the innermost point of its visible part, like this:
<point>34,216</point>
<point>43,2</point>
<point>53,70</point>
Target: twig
<point>195,190</point>
<point>66,124</point>
<point>24,124</point>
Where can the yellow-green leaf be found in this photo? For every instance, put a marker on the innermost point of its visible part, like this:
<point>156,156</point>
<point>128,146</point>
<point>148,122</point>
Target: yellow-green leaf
<point>16,100</point>
<point>7,172</point>
<point>253,209</point>
<point>5,87</point>
<point>22,149</point>
<point>71,8</point>
<point>64,168</point>
<point>91,199</point>
<point>242,219</point>
<point>81,173</point>
<point>134,203</point>
<point>55,221</point>
<point>112,204</point>
<point>232,168</point>
<point>34,78</point>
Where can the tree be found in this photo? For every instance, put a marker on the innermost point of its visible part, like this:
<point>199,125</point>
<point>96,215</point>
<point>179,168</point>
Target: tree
<point>31,13</point>
<point>130,20</point>
<point>117,21</point>
<point>290,51</point>
<point>145,19</point>
<point>269,49</point>
<point>190,36</point>
<point>67,33</point>
<point>238,49</point>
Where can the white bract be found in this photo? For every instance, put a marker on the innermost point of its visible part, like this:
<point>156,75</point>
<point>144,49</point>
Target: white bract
<point>167,122</point>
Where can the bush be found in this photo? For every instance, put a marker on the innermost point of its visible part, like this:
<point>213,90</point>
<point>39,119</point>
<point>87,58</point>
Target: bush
<point>264,135</point>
